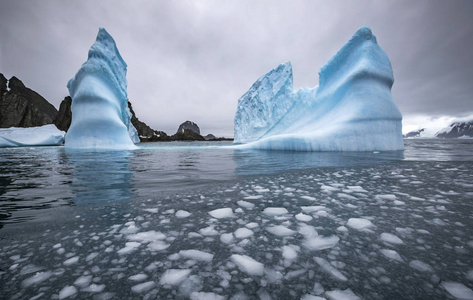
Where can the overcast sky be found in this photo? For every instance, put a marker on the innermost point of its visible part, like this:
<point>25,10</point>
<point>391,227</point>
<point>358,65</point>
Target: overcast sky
<point>192,60</point>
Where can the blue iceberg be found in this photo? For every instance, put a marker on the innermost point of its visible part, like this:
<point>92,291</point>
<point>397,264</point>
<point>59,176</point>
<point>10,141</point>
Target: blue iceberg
<point>351,110</point>
<point>100,114</point>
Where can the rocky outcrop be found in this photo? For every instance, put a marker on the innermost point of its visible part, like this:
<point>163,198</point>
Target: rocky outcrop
<point>146,133</point>
<point>209,137</point>
<point>187,135</point>
<point>23,107</point>
<point>456,130</point>
<point>64,116</point>
<point>190,126</point>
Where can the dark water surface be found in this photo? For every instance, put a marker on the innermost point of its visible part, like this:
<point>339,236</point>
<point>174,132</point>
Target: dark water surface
<point>120,224</point>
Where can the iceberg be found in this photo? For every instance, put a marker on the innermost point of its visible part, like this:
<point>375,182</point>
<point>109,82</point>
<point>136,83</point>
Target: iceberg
<point>47,135</point>
<point>351,110</point>
<point>100,114</point>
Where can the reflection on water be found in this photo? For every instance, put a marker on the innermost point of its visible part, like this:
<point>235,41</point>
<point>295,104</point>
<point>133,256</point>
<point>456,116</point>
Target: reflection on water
<point>262,162</point>
<point>35,178</point>
<point>99,176</point>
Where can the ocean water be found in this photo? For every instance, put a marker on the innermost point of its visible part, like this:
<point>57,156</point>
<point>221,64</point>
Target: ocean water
<point>206,221</point>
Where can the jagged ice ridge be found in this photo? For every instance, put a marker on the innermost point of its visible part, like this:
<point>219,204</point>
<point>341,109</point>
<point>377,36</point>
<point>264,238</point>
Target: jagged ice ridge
<point>351,110</point>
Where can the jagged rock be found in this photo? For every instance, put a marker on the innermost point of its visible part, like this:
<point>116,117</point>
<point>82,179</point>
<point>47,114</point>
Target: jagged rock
<point>187,135</point>
<point>3,84</point>
<point>209,137</point>
<point>456,130</point>
<point>64,116</point>
<point>188,125</point>
<point>23,107</point>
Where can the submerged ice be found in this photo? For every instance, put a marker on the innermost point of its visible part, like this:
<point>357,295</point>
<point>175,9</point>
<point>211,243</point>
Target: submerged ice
<point>47,135</point>
<point>351,110</point>
<point>100,114</point>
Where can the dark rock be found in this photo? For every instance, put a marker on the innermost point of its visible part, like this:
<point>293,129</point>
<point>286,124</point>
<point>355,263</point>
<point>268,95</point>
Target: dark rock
<point>414,134</point>
<point>209,137</point>
<point>23,107</point>
<point>187,135</point>
<point>146,133</point>
<point>64,116</point>
<point>3,85</point>
<point>190,126</point>
<point>457,130</point>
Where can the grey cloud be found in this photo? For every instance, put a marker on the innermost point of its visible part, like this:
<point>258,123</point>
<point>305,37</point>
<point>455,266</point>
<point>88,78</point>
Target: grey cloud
<point>192,60</point>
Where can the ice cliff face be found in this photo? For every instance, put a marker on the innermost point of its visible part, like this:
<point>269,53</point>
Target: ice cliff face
<point>351,110</point>
<point>100,114</point>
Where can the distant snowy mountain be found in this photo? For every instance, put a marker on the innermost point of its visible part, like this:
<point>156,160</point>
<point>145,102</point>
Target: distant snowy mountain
<point>457,130</point>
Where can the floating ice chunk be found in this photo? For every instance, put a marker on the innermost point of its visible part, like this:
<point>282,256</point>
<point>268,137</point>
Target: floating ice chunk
<point>174,276</point>
<point>151,210</point>
<point>309,209</point>
<point>342,229</point>
<point>83,281</point>
<point>303,217</point>
<point>138,277</point>
<point>458,290</point>
<point>391,254</point>
<point>36,278</point>
<point>342,295</point>
<point>182,214</point>
<point>147,236</point>
<point>321,242</point>
<point>222,213</point>
<point>327,267</point>
<point>196,255</point>
<point>309,198</point>
<point>359,223</point>
<point>71,261</point>
<point>357,189</point>
<point>243,233</point>
<point>33,136</point>
<point>280,230</point>
<point>390,238</point>
<point>387,197</point>
<point>129,247</point>
<point>130,228</point>
<point>206,296</point>
<point>226,238</point>
<point>248,265</point>
<point>252,225</point>
<point>158,246</point>
<point>245,204</point>
<point>255,197</point>
<point>94,288</point>
<point>289,253</point>
<point>420,266</point>
<point>143,287</point>
<point>91,256</point>
<point>311,297</point>
<point>274,211</point>
<point>67,291</point>
<point>208,231</point>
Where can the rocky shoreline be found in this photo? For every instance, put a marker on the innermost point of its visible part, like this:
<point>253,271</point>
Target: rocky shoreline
<point>20,106</point>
